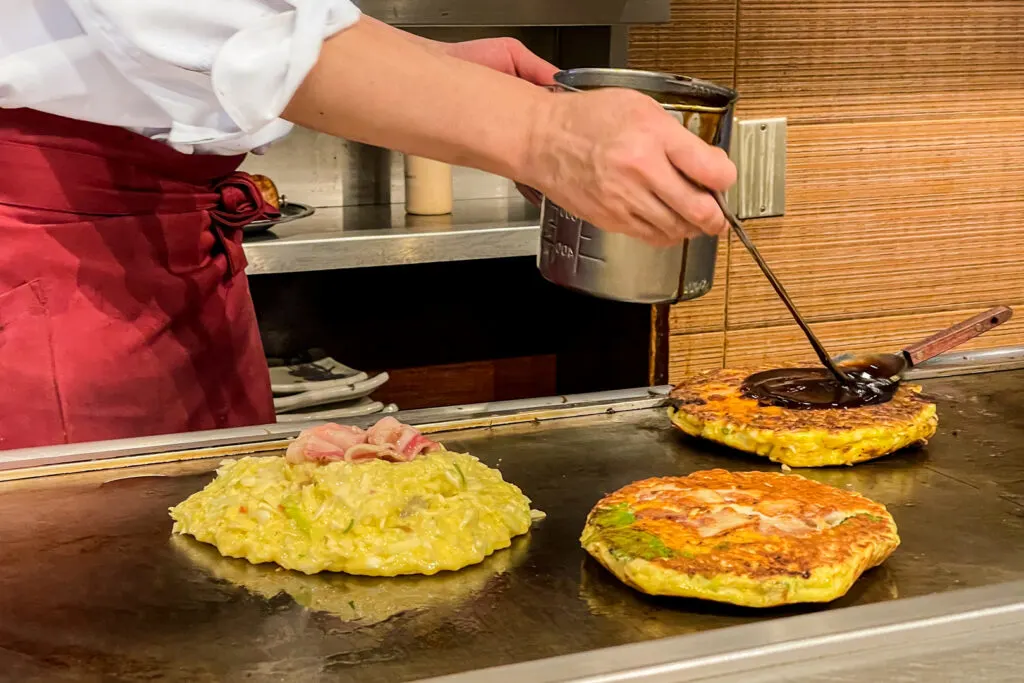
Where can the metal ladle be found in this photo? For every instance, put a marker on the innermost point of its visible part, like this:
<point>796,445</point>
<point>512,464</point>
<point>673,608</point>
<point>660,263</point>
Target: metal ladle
<point>819,348</point>
<point>892,366</point>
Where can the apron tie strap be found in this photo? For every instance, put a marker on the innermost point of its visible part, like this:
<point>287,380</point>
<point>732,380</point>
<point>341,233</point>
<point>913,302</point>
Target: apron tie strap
<point>240,202</point>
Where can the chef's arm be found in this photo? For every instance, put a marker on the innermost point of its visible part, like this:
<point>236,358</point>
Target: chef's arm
<point>222,77</point>
<point>613,157</point>
<point>373,84</point>
<point>507,55</point>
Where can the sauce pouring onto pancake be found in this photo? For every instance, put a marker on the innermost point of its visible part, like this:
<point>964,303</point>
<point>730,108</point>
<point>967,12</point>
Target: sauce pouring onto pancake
<point>816,388</point>
<point>851,385</point>
<point>827,387</point>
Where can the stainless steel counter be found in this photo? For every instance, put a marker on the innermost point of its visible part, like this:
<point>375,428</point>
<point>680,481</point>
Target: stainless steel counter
<point>92,586</point>
<point>378,235</point>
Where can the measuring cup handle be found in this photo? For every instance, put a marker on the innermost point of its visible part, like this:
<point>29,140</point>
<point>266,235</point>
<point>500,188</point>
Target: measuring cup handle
<point>956,335</point>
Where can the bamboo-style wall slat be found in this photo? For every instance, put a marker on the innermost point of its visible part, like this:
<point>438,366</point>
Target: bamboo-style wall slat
<point>905,171</point>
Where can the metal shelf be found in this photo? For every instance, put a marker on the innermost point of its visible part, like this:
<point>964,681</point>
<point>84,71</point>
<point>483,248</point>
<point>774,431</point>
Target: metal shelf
<point>375,235</point>
<point>517,12</point>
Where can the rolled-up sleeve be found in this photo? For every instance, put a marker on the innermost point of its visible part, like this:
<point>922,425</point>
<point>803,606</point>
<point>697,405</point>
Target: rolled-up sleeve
<point>221,69</point>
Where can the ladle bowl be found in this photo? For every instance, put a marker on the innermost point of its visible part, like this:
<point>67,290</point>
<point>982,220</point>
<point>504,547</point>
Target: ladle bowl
<point>890,367</point>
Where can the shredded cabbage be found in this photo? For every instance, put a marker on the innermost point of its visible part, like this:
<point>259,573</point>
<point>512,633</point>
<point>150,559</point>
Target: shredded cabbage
<point>441,511</point>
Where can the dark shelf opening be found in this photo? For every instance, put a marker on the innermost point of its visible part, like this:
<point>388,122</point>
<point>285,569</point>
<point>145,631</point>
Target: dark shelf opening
<point>457,332</point>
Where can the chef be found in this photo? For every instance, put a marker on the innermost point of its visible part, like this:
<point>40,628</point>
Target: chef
<point>124,306</point>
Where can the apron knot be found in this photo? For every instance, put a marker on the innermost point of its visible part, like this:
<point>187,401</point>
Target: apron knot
<point>239,203</point>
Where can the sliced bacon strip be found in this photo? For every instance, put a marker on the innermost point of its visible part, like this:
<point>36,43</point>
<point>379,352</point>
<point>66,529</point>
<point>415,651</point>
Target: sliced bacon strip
<point>368,451</point>
<point>720,521</point>
<point>419,445</point>
<point>388,440</point>
<point>387,431</point>
<point>406,437</point>
<point>342,436</point>
<point>313,448</point>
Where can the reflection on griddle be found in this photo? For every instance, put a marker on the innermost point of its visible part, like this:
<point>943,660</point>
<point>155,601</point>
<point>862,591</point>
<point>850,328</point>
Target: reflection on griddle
<point>897,485</point>
<point>661,617</point>
<point>891,480</point>
<point>363,599</point>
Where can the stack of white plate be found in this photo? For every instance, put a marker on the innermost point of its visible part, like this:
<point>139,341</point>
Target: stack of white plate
<point>324,389</point>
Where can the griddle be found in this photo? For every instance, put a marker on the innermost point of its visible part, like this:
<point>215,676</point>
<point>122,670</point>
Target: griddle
<point>93,587</point>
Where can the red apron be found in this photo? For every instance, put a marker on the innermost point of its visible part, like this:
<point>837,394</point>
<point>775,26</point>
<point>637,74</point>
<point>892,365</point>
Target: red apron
<point>124,306</point>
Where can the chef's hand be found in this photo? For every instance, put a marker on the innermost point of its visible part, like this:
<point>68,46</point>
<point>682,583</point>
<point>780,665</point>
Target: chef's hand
<point>616,159</point>
<point>636,184</point>
<point>506,55</point>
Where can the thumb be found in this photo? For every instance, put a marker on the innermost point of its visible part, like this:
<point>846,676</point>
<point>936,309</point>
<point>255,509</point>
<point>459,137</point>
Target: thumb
<point>529,66</point>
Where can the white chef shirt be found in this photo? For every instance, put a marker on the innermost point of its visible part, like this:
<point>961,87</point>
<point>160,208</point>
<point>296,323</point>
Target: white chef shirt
<point>204,76</point>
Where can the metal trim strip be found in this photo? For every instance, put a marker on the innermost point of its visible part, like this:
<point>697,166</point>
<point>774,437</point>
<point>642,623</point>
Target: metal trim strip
<point>16,464</point>
<point>775,642</point>
<point>63,459</point>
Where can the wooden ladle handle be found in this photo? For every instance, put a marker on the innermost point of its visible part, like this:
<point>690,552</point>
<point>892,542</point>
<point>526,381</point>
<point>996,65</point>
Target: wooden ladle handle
<point>954,336</point>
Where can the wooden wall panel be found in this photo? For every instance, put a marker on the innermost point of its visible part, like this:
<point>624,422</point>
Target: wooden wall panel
<point>699,41</point>
<point>785,343</point>
<point>847,60</point>
<point>690,353</point>
<point>905,169</point>
<point>502,379</point>
<point>883,220</point>
<point>707,313</point>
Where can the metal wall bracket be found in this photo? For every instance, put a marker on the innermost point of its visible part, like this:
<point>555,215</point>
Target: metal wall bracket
<point>759,151</point>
